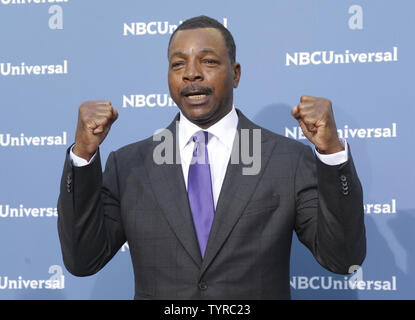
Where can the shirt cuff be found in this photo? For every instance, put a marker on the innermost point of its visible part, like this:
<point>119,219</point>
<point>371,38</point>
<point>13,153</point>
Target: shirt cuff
<point>334,159</point>
<point>78,161</point>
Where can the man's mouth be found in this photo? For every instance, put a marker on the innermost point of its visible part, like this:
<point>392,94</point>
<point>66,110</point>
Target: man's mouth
<point>196,91</point>
<point>196,96</point>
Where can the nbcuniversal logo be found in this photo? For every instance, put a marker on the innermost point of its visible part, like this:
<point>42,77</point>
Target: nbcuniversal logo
<point>153,28</point>
<point>353,282</point>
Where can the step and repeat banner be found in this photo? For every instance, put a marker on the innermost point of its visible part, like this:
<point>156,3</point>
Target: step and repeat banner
<point>54,55</point>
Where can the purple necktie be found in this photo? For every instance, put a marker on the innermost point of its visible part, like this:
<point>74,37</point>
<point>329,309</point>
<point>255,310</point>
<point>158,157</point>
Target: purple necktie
<point>199,189</point>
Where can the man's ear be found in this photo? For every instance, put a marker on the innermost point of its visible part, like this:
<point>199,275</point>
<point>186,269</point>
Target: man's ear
<point>236,68</point>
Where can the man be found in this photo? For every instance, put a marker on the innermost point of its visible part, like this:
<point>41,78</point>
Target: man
<point>206,230</point>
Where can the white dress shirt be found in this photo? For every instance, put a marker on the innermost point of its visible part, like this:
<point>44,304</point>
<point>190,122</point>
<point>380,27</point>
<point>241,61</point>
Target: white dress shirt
<point>221,137</point>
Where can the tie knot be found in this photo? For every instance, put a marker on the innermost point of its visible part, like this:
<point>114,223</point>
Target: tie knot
<point>200,152</point>
<point>201,137</point>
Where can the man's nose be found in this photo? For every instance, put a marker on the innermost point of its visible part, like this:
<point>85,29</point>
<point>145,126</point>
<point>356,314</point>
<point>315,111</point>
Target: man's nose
<point>192,72</point>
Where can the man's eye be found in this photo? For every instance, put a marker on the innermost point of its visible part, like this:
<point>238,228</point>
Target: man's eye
<point>210,61</point>
<point>176,64</point>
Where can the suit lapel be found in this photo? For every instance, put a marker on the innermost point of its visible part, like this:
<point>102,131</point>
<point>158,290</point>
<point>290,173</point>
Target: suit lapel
<point>170,191</point>
<point>235,193</point>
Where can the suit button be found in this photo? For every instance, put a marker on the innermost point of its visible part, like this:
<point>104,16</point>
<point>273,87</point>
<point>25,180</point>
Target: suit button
<point>343,178</point>
<point>203,286</point>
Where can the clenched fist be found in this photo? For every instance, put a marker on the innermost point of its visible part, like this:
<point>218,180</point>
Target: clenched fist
<point>94,122</point>
<point>315,116</point>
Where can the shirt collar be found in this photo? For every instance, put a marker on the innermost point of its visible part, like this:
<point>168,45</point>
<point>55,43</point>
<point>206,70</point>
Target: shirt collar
<point>224,130</point>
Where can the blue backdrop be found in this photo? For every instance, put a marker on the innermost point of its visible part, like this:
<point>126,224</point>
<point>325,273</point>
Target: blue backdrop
<point>56,54</point>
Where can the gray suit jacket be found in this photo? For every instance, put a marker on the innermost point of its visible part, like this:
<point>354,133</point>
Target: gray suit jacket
<point>248,252</point>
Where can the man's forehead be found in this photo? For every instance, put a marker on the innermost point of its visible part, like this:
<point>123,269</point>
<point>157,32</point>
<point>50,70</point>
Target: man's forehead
<point>203,39</point>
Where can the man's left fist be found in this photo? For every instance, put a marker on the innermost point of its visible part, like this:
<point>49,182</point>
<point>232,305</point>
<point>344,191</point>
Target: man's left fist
<point>315,116</point>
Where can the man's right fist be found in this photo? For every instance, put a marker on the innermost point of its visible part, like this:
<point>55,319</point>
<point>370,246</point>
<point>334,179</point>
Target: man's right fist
<point>94,122</point>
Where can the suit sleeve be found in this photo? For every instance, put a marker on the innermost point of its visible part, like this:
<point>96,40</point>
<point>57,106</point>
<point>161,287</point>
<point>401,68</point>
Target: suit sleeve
<point>330,216</point>
<point>89,223</point>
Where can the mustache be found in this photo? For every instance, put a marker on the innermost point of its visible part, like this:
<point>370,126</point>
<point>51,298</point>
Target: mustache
<point>195,89</point>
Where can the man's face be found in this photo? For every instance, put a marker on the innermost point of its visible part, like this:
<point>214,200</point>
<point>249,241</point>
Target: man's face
<point>201,76</point>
